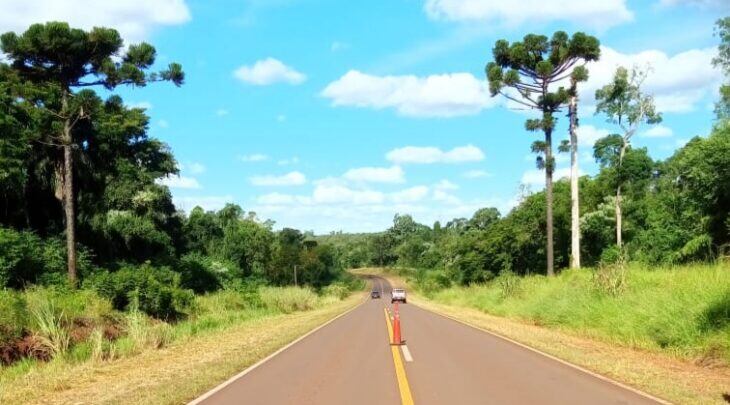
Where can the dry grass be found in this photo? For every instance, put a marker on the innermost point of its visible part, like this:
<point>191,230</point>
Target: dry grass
<point>173,374</point>
<point>660,375</point>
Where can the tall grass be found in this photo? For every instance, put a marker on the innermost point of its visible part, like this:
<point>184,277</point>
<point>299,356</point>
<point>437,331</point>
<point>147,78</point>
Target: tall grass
<point>683,310</point>
<point>288,299</point>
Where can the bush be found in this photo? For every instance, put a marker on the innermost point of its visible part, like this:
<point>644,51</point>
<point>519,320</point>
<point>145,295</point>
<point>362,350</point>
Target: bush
<point>197,273</point>
<point>339,290</point>
<point>155,290</point>
<point>288,299</point>
<point>27,259</point>
<point>14,316</point>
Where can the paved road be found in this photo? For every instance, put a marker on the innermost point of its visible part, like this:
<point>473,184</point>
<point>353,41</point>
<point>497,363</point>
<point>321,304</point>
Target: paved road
<point>350,362</point>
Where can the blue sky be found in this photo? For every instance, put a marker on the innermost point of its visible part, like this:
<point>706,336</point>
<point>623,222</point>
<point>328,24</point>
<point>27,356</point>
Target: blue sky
<point>331,115</point>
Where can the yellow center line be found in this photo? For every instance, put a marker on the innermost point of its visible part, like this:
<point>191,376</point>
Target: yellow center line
<point>400,371</point>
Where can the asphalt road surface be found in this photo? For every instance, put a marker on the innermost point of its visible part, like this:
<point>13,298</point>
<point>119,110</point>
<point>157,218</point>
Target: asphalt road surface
<point>350,361</point>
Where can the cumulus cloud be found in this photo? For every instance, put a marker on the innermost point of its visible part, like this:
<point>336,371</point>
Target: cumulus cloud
<point>658,131</point>
<point>221,112</point>
<point>536,177</point>
<point>134,19</point>
<point>208,203</point>
<point>445,185</point>
<point>256,157</point>
<point>445,95</point>
<point>269,71</point>
<point>289,179</point>
<point>432,154</point>
<point>678,82</point>
<point>588,135</point>
<point>593,14</point>
<point>722,5</point>
<point>410,195</point>
<point>393,174</point>
<point>181,182</point>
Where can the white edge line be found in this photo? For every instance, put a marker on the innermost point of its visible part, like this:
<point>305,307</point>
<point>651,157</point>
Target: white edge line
<point>564,362</point>
<point>224,384</point>
<point>406,353</point>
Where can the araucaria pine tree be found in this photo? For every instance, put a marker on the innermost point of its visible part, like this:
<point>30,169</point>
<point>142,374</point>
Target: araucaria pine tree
<point>56,67</point>
<point>529,72</point>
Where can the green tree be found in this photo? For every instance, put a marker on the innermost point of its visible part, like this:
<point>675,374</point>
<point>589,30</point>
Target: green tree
<point>53,60</point>
<point>626,106</point>
<point>722,60</point>
<point>530,67</point>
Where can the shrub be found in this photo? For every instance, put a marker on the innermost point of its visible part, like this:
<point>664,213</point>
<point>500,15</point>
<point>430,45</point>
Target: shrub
<point>288,299</point>
<point>198,273</point>
<point>14,316</point>
<point>27,259</point>
<point>156,290</point>
<point>509,283</point>
<point>339,290</point>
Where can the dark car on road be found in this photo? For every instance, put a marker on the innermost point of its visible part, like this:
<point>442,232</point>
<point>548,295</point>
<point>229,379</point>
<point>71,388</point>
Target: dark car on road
<point>375,294</point>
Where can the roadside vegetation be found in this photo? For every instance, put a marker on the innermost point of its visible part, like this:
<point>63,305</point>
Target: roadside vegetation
<point>654,234</point>
<point>96,262</point>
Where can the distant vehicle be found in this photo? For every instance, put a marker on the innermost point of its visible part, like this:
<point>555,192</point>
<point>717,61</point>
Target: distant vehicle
<point>375,294</point>
<point>398,294</point>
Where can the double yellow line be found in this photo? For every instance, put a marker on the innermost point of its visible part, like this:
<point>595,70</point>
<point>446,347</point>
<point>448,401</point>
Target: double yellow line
<point>400,371</point>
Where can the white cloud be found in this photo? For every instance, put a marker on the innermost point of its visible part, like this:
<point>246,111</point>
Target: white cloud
<point>410,195</point>
<point>256,157</point>
<point>284,162</point>
<point>208,203</point>
<point>281,118</point>
<point>393,174</point>
<point>475,174</point>
<point>445,197</point>
<point>328,193</point>
<point>269,71</point>
<point>445,185</point>
<point>163,124</point>
<point>134,19</point>
<point>588,135</point>
<point>535,177</point>
<point>678,82</point>
<point>432,154</point>
<point>446,95</point>
<point>289,179</point>
<point>658,131</point>
<point>196,168</point>
<point>179,182</point>
<point>221,112</point>
<point>703,4</point>
<point>140,104</point>
<point>276,199</point>
<point>593,14</point>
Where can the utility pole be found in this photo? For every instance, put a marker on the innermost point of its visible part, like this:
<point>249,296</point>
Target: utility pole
<point>295,275</point>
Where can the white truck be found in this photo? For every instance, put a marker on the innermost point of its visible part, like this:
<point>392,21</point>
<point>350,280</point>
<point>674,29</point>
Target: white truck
<point>398,294</point>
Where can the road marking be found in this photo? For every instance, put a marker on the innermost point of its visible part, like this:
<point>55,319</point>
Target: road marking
<point>400,371</point>
<point>406,353</point>
<point>231,380</point>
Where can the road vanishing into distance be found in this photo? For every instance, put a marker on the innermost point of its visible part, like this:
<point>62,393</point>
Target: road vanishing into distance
<point>351,361</point>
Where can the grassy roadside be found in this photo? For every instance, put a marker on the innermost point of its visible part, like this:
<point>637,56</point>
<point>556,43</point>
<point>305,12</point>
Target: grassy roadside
<point>175,373</point>
<point>663,374</point>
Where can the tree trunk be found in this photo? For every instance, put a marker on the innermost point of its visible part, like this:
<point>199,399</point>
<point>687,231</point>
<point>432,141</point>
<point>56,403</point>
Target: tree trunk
<point>68,195</point>
<point>574,192</point>
<point>619,216</point>
<point>549,199</point>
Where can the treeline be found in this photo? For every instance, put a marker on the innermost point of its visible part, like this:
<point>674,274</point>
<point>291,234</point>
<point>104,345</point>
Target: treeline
<point>81,204</point>
<point>675,211</point>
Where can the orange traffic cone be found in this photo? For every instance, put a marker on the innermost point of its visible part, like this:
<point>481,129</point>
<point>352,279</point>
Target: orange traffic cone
<point>396,326</point>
